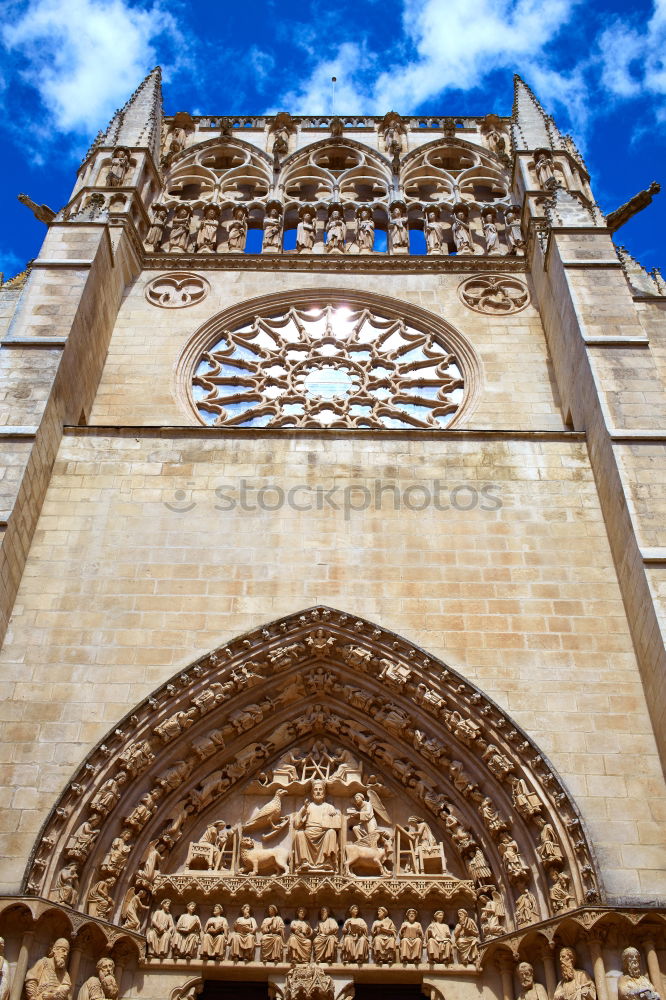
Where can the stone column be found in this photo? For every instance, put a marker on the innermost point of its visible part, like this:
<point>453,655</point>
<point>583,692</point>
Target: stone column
<point>21,966</point>
<point>504,965</point>
<point>549,969</point>
<point>598,966</point>
<point>75,962</point>
<point>652,962</point>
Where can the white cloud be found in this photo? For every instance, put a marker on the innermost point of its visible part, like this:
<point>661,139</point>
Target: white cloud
<point>634,60</point>
<point>444,46</point>
<point>10,264</point>
<point>84,57</point>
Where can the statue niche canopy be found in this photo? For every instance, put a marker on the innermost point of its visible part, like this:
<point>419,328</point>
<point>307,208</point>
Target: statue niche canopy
<point>319,757</point>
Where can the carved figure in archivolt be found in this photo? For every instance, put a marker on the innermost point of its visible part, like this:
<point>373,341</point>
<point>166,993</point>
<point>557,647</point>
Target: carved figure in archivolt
<point>215,934</point>
<point>67,884</point>
<point>299,943</point>
<point>48,978</point>
<point>325,942</point>
<point>549,849</point>
<point>560,893</point>
<point>529,990</point>
<point>317,825</point>
<point>100,899</point>
<point>103,986</point>
<point>108,795</point>
<point>493,913</point>
<point>411,938</point>
<point>466,938</point>
<point>384,938</point>
<point>439,945</point>
<point>134,909</point>
<point>633,984</point>
<point>243,937</point>
<point>355,945</point>
<point>574,984</point>
<point>4,972</point>
<point>187,936</point>
<point>161,930</point>
<point>527,909</point>
<point>272,935</point>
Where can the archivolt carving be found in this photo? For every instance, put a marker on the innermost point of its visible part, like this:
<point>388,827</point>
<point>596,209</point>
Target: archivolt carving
<point>328,358</point>
<point>318,754</point>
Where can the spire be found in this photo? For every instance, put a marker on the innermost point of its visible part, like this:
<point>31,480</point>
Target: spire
<point>532,128</point>
<point>139,121</point>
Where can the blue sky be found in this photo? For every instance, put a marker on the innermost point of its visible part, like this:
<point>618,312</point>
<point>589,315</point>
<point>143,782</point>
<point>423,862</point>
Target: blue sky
<point>599,68</point>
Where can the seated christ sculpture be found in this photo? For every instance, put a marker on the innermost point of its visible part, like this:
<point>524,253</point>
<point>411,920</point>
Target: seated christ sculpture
<point>316,827</point>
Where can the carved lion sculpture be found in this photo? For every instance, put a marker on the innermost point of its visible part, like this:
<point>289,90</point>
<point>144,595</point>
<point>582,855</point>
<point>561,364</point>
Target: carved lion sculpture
<point>256,859</point>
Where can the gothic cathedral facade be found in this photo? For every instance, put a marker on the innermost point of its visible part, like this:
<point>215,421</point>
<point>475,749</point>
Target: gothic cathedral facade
<point>334,570</point>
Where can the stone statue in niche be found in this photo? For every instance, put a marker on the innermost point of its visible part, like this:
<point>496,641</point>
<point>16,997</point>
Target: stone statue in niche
<point>280,145</point>
<point>299,943</point>
<point>161,930</point>
<point>439,945</point>
<point>513,232</point>
<point>544,168</point>
<point>325,942</point>
<point>365,230</point>
<point>272,228</point>
<point>495,138</point>
<point>272,935</point>
<point>237,230</point>
<point>100,900</point>
<point>305,231</point>
<point>134,909</point>
<point>177,140</point>
<point>466,938</point>
<point>120,163</point>
<point>187,936</point>
<point>355,945</point>
<point>315,844</point>
<point>4,972</point>
<point>411,938</point>
<point>79,844</point>
<point>529,990</point>
<point>527,910</point>
<point>108,795</point>
<point>67,884</point>
<point>243,938</point>
<point>560,892</point>
<point>490,234</point>
<point>156,231</point>
<point>206,242</point>
<point>180,230</point>
<point>215,934</point>
<point>48,978</point>
<point>335,230</point>
<point>462,232</point>
<point>384,938</point>
<point>103,986</point>
<point>434,231</point>
<point>633,984</point>
<point>575,984</point>
<point>548,848</point>
<point>398,231</point>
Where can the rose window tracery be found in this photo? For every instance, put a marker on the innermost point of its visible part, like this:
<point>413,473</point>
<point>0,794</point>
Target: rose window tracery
<point>328,365</point>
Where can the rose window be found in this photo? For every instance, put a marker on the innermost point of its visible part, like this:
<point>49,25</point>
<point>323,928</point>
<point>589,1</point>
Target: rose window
<point>329,365</point>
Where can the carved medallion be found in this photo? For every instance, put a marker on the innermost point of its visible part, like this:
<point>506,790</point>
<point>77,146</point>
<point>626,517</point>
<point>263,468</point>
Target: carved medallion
<point>177,290</point>
<point>494,294</point>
